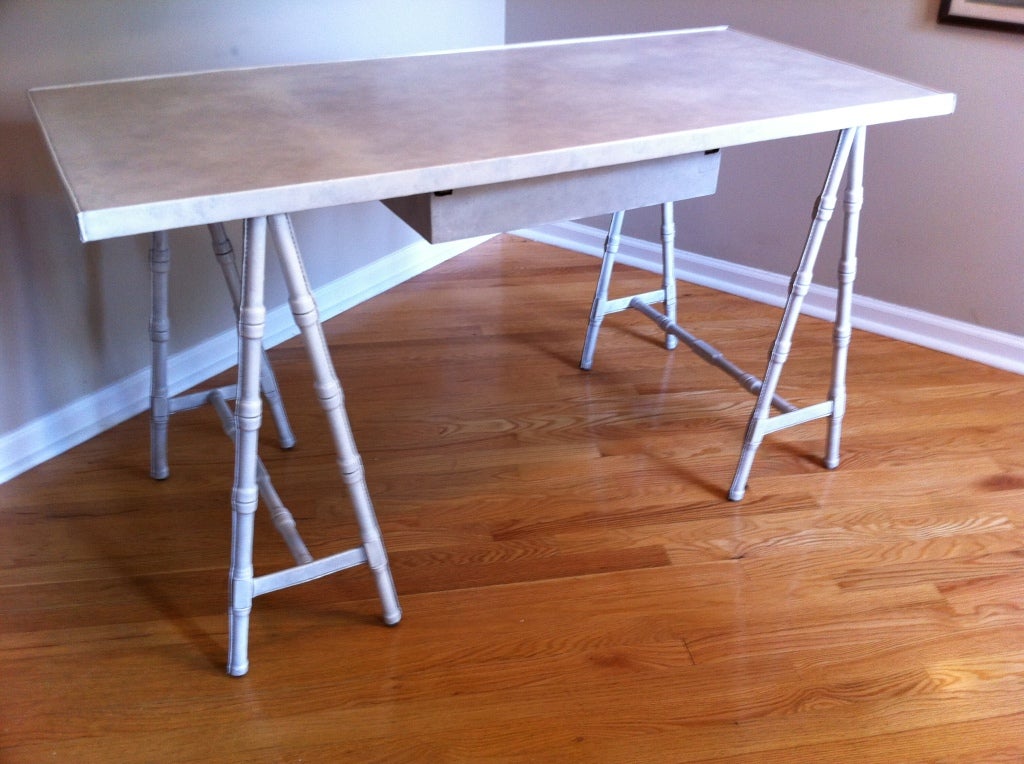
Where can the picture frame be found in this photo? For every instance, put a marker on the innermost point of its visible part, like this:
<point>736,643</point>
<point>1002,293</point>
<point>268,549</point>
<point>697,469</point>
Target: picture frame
<point>1007,15</point>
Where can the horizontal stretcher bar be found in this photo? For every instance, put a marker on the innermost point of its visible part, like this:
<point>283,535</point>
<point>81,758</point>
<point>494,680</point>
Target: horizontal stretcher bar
<point>710,354</point>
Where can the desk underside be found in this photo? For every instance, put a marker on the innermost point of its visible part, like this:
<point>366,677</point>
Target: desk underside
<point>497,207</point>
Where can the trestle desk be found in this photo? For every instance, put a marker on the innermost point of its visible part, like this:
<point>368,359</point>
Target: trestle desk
<point>459,143</point>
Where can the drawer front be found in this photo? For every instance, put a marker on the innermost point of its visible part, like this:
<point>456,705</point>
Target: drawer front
<point>499,207</point>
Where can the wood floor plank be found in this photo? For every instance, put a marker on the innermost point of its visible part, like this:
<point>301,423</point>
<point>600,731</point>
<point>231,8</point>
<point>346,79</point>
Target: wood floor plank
<point>575,584</point>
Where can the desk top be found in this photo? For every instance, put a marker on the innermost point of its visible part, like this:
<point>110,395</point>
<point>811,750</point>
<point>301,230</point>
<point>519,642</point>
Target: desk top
<point>156,153</point>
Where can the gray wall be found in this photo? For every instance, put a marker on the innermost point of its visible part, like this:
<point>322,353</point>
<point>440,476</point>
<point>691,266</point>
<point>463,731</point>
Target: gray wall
<point>73,318</point>
<point>944,226</point>
<point>944,217</point>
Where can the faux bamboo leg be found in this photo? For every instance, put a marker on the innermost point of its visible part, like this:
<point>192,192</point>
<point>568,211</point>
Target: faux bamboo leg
<point>159,335</point>
<point>279,514</point>
<point>668,268</point>
<point>801,282</point>
<point>854,201</point>
<point>598,307</point>
<point>161,404</point>
<point>329,391</point>
<point>225,254</point>
<point>248,412</point>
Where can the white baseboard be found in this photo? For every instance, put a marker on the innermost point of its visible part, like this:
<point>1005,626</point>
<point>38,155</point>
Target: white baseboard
<point>56,432</point>
<point>976,343</point>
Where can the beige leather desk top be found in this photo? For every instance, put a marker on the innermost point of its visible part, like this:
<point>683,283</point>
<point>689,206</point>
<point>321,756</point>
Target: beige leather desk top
<point>165,152</point>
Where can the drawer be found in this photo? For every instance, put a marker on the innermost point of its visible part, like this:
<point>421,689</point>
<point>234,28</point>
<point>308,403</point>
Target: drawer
<point>464,212</point>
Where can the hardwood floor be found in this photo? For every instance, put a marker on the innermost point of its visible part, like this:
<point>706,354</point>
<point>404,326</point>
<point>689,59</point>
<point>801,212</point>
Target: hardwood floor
<point>576,586</point>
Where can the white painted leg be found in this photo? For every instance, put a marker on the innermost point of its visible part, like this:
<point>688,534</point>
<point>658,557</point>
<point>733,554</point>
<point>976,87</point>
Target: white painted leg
<point>760,424</point>
<point>159,335</point>
<point>602,306</point>
<point>268,382</point>
<point>162,405</point>
<point>251,479</point>
<point>329,391</point>
<point>599,307</point>
<point>847,273</point>
<point>248,413</point>
<point>279,514</point>
<point>668,268</point>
